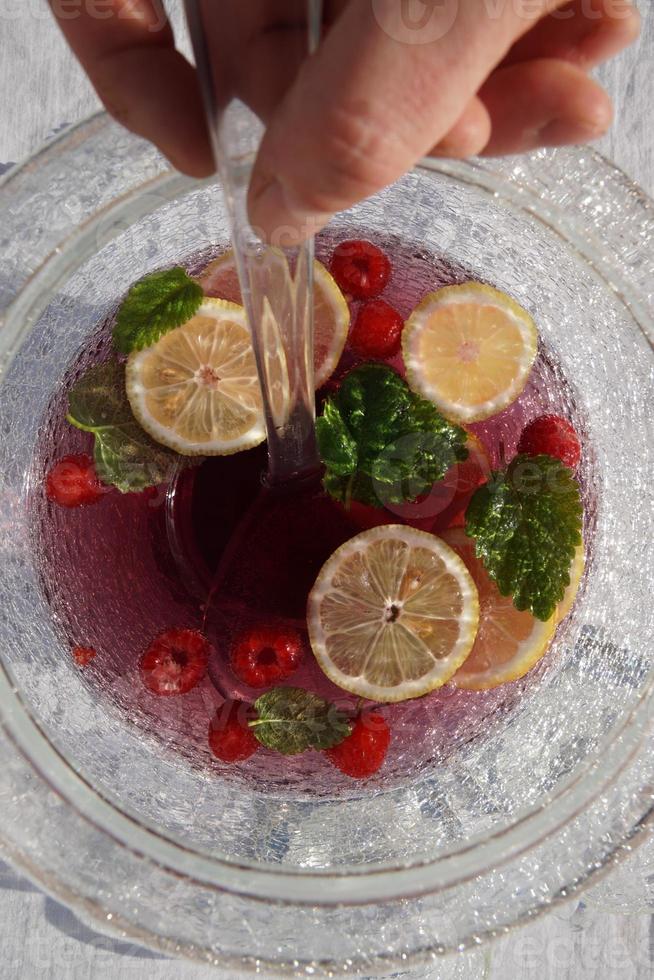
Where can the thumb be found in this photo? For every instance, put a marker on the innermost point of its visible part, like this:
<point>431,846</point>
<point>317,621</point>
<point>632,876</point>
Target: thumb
<point>369,104</point>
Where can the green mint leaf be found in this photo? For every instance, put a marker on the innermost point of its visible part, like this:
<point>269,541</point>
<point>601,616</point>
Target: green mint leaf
<point>125,455</point>
<point>381,443</point>
<point>154,305</point>
<point>358,486</point>
<point>374,402</point>
<point>526,522</point>
<point>127,458</point>
<point>338,448</point>
<point>291,720</point>
<point>98,399</point>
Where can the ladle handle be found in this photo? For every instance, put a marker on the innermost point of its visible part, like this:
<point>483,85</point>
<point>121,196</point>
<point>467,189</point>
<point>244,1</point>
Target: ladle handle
<point>276,283</point>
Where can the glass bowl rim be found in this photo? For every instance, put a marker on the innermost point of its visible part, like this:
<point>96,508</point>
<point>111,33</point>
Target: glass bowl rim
<point>348,885</point>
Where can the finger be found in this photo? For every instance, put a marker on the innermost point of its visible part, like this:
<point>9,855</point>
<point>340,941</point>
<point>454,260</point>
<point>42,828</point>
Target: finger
<point>543,103</point>
<point>585,32</point>
<point>368,105</point>
<point>469,135</point>
<point>129,55</point>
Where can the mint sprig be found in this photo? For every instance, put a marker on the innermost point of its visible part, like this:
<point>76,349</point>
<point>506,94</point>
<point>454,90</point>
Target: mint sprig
<point>154,305</point>
<point>381,443</point>
<point>125,456</point>
<point>291,720</point>
<point>526,522</point>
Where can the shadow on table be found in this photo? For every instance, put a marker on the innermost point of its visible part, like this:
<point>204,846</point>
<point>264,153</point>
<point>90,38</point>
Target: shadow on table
<point>67,922</point>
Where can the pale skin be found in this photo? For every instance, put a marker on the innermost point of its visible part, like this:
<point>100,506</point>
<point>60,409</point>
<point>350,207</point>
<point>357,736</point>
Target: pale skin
<point>498,77</point>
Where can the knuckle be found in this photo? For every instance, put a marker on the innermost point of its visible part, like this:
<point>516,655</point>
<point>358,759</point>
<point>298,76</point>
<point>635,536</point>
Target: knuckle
<point>602,122</point>
<point>117,110</point>
<point>357,153</point>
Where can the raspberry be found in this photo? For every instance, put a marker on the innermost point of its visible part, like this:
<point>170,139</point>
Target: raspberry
<point>364,750</point>
<point>454,492</point>
<point>230,739</point>
<point>360,269</point>
<point>551,435</point>
<point>73,482</point>
<point>83,655</point>
<point>265,655</point>
<point>377,330</point>
<point>175,661</point>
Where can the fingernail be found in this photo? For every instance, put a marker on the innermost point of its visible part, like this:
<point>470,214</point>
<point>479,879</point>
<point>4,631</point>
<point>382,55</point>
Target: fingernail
<point>443,149</point>
<point>277,214</point>
<point>564,132</point>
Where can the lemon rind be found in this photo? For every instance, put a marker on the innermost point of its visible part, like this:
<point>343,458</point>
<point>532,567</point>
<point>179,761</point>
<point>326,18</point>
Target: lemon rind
<point>341,317</point>
<point>534,647</point>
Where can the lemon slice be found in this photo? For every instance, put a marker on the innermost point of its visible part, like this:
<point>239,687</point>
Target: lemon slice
<point>469,349</point>
<point>219,279</point>
<point>393,614</point>
<point>196,390</point>
<point>576,574</point>
<point>509,642</point>
<point>331,314</point>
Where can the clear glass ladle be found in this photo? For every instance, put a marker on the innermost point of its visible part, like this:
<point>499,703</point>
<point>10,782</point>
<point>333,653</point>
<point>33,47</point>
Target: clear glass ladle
<point>246,55</point>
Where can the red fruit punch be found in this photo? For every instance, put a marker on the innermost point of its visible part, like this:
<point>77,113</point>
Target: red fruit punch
<point>175,662</point>
<point>363,751</point>
<point>360,268</point>
<point>462,480</point>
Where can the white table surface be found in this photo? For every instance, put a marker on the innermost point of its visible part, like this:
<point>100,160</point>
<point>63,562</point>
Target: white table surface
<point>43,90</point>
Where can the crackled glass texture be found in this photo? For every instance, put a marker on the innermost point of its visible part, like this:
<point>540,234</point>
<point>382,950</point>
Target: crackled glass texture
<point>492,805</point>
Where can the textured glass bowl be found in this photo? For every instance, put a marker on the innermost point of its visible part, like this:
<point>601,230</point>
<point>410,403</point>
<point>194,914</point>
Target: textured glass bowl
<point>524,794</point>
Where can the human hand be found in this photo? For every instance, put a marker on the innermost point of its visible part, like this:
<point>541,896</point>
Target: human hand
<point>470,77</point>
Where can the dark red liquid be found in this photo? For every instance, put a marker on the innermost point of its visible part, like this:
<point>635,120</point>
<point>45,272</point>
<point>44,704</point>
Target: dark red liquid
<point>219,551</point>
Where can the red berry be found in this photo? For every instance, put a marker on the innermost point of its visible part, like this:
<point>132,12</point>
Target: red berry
<point>364,750</point>
<point>83,655</point>
<point>230,739</point>
<point>552,436</point>
<point>360,269</point>
<point>175,661</point>
<point>73,482</point>
<point>454,492</point>
<point>377,330</point>
<point>266,654</point>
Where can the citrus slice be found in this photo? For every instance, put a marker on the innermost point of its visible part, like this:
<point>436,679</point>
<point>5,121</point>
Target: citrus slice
<point>469,349</point>
<point>393,614</point>
<point>331,314</point>
<point>576,574</point>
<point>219,279</point>
<point>509,642</point>
<point>196,390</point>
